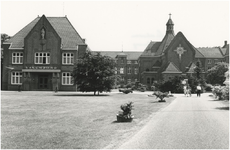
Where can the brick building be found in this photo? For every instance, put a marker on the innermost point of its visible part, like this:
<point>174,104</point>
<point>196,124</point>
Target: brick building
<point>41,55</point>
<point>162,60</point>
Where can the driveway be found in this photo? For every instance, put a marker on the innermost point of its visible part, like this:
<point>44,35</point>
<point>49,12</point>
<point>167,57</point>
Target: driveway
<point>187,123</point>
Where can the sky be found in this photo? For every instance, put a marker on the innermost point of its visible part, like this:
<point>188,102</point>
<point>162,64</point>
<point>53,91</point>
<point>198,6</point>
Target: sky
<point>126,25</point>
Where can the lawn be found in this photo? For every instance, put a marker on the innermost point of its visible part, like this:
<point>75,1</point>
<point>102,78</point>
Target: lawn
<point>70,120</point>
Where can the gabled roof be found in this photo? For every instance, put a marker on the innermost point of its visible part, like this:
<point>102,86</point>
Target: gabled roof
<point>172,68</point>
<point>131,55</point>
<point>225,50</point>
<point>18,39</point>
<point>69,36</point>
<point>181,35</point>
<point>165,43</point>
<point>210,52</point>
<point>151,49</point>
<point>191,68</point>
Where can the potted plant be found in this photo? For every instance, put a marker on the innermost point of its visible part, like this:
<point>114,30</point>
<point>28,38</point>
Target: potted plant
<point>126,114</point>
<point>161,95</point>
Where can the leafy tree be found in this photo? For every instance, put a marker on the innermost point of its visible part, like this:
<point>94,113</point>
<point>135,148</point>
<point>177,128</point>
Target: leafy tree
<point>216,75</point>
<point>4,37</point>
<point>94,72</point>
<point>173,85</point>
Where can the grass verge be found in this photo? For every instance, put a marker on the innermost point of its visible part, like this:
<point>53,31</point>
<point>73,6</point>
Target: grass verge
<point>70,120</point>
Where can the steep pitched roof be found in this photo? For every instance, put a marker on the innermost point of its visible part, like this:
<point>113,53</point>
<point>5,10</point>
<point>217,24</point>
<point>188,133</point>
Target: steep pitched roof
<point>191,68</point>
<point>69,36</point>
<point>225,50</point>
<point>151,49</point>
<point>131,55</point>
<point>213,52</point>
<point>172,68</point>
<point>165,43</point>
<point>18,39</point>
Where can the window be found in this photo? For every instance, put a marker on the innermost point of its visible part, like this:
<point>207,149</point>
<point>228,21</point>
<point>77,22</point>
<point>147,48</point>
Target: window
<point>42,58</point>
<point>121,70</point>
<point>135,80</point>
<point>216,61</point>
<point>129,80</point>
<point>129,62</point>
<point>136,62</point>
<point>209,67</point>
<point>67,78</point>
<point>129,70</point>
<point>16,77</point>
<point>67,58</point>
<point>17,58</point>
<point>209,61</point>
<point>136,70</point>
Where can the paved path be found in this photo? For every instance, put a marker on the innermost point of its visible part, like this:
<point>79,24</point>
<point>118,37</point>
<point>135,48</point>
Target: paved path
<point>187,123</point>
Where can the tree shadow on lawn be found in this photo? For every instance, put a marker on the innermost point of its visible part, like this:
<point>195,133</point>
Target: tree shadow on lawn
<point>213,100</point>
<point>223,108</point>
<point>81,95</point>
<point>121,122</point>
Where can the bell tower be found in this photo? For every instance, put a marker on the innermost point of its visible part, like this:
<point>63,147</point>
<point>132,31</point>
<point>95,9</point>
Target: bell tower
<point>169,25</point>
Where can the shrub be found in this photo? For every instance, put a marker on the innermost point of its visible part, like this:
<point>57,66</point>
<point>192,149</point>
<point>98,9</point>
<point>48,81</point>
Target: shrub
<point>174,85</point>
<point>127,91</point>
<point>161,95</point>
<point>126,112</point>
<point>221,92</point>
<point>208,87</point>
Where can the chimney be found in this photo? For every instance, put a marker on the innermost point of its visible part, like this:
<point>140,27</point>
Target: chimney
<point>83,41</point>
<point>225,44</point>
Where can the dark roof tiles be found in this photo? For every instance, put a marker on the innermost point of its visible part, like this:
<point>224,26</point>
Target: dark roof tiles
<point>131,55</point>
<point>69,36</point>
<point>210,52</point>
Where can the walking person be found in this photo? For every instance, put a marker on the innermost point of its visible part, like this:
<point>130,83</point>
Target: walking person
<point>185,90</point>
<point>198,90</point>
<point>189,90</point>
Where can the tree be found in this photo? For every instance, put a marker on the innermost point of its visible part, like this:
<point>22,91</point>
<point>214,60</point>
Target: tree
<point>216,75</point>
<point>4,37</point>
<point>94,72</point>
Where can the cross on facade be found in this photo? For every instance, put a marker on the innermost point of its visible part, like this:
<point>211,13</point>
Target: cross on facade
<point>180,50</point>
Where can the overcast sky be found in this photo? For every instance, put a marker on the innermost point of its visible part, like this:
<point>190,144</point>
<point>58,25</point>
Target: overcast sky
<point>127,25</point>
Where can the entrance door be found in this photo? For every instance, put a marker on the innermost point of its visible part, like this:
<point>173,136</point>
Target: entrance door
<point>43,82</point>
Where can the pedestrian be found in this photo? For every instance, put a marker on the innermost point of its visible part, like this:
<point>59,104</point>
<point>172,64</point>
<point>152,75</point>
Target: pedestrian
<point>189,91</point>
<point>185,89</point>
<point>198,90</point>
